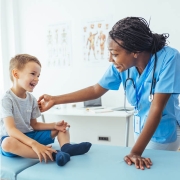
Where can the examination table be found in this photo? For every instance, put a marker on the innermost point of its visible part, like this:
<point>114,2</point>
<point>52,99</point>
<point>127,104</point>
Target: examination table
<point>102,162</point>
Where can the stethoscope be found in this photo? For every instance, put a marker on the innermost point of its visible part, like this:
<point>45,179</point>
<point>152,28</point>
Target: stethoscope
<point>153,82</point>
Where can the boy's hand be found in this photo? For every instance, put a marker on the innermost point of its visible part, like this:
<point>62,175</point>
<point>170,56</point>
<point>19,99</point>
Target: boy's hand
<point>61,126</point>
<point>42,151</point>
<point>45,102</point>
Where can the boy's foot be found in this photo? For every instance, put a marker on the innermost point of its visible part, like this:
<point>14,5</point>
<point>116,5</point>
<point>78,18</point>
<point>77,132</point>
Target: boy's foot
<point>61,158</point>
<point>76,149</point>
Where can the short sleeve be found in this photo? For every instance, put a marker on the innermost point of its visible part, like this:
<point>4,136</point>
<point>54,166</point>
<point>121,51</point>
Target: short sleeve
<point>111,79</point>
<point>169,75</point>
<point>35,111</point>
<point>6,107</point>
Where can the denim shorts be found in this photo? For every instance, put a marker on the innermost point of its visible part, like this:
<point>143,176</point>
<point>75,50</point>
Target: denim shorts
<point>43,137</point>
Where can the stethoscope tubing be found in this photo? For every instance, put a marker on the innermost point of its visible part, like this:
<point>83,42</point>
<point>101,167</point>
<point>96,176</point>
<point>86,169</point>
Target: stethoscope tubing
<point>153,82</point>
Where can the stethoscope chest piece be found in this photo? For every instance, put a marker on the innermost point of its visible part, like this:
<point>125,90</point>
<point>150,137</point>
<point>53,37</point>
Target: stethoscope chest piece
<point>151,96</point>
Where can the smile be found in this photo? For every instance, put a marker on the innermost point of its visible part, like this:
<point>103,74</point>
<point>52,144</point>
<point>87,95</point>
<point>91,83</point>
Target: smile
<point>118,67</point>
<point>32,85</point>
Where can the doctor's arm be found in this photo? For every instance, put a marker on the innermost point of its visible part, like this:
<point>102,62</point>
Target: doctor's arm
<point>45,101</point>
<point>153,119</point>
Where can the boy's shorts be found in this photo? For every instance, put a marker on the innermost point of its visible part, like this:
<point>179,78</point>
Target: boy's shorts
<point>43,137</point>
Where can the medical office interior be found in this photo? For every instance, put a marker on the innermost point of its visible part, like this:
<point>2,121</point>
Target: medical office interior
<point>57,32</point>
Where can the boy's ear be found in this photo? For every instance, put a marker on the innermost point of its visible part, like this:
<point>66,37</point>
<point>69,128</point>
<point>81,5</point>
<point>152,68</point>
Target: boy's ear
<point>15,73</point>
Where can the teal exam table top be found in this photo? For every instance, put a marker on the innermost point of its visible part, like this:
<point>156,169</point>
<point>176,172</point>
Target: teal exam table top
<point>102,162</point>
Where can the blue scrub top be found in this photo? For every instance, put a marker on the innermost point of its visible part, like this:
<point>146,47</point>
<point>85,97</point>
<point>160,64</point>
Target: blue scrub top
<point>167,76</point>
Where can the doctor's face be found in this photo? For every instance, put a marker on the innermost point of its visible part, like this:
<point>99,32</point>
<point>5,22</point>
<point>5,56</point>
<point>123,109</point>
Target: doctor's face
<point>121,58</point>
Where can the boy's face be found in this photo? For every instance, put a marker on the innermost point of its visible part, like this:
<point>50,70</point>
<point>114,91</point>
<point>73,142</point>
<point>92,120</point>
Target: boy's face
<point>28,77</point>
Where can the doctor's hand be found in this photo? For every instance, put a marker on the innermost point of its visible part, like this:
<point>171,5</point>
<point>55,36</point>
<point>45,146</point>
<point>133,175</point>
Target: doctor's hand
<point>139,161</point>
<point>45,102</point>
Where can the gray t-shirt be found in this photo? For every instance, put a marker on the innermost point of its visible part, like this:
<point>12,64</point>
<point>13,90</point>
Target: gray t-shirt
<point>22,110</point>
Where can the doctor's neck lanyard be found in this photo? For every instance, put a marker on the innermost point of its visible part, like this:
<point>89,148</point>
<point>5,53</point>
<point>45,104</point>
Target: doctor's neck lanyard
<point>140,84</point>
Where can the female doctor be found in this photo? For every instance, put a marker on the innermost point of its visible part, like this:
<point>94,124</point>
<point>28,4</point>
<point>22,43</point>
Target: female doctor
<point>149,73</point>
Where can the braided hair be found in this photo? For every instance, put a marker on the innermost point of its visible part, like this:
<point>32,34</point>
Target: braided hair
<point>136,36</point>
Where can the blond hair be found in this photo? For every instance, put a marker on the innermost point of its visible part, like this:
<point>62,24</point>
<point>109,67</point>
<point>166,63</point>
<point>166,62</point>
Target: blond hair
<point>19,61</point>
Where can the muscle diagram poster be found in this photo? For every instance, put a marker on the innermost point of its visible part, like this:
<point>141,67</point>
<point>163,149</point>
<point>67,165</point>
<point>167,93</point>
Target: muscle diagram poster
<point>94,36</point>
<point>59,50</point>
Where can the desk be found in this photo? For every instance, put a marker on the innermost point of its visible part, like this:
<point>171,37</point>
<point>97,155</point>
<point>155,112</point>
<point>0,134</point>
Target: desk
<point>84,112</point>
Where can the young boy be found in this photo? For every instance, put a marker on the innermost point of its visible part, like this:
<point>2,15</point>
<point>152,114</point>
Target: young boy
<point>21,134</point>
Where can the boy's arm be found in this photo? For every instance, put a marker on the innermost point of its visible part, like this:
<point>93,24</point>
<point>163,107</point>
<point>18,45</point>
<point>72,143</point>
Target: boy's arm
<point>40,150</point>
<point>14,132</point>
<point>61,125</point>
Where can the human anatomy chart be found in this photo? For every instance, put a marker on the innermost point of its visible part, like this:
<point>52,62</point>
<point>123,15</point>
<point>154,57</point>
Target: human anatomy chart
<point>59,45</point>
<point>95,34</point>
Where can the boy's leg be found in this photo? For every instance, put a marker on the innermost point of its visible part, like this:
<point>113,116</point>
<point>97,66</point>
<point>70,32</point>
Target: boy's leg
<point>63,138</point>
<point>12,145</point>
<point>60,157</point>
<point>71,149</point>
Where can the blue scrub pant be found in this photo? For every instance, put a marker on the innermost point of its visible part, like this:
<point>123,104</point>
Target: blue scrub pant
<point>168,146</point>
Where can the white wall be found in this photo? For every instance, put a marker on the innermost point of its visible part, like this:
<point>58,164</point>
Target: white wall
<point>51,12</point>
<point>6,44</point>
<point>1,72</point>
<point>25,22</point>
<point>32,17</point>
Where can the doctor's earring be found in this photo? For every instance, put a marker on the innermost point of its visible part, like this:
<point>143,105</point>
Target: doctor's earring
<point>136,55</point>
